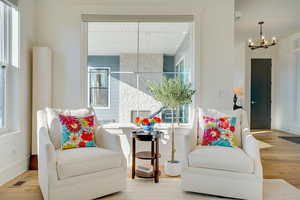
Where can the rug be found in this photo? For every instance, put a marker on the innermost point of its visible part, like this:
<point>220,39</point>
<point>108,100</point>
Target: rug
<point>291,139</point>
<point>169,189</point>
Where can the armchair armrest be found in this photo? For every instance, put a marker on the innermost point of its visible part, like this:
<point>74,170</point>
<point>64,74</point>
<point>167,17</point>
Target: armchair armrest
<point>46,160</point>
<point>189,144</point>
<point>251,147</point>
<point>46,149</point>
<point>107,140</point>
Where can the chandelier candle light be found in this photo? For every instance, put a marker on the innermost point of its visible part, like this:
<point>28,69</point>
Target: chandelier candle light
<point>262,42</point>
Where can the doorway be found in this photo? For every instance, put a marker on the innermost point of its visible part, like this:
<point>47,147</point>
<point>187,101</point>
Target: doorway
<point>261,81</point>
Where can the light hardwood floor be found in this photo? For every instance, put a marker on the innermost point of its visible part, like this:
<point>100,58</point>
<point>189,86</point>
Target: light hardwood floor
<point>281,161</point>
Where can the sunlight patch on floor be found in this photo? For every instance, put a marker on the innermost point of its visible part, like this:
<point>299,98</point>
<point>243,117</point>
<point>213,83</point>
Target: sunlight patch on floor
<point>260,131</point>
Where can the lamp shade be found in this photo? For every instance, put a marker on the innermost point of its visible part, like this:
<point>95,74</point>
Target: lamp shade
<point>238,91</point>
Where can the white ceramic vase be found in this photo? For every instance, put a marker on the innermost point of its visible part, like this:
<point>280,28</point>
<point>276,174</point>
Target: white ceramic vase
<point>172,168</point>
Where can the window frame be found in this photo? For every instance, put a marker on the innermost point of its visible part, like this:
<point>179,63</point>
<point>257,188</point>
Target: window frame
<point>108,85</point>
<point>86,19</point>
<point>19,39</point>
<point>182,61</point>
<point>4,128</point>
<point>7,64</point>
<point>8,43</point>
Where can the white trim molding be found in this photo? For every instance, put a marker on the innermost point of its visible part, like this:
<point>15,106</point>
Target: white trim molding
<point>13,170</point>
<point>136,18</point>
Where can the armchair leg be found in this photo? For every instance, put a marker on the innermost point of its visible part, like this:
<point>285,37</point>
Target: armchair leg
<point>33,162</point>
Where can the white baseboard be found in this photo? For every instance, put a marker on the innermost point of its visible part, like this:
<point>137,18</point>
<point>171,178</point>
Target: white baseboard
<point>13,170</point>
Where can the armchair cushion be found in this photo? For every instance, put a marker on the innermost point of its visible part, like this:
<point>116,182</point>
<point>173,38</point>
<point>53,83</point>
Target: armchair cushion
<point>81,161</point>
<point>221,158</point>
<point>53,123</point>
<point>215,114</point>
<point>77,131</point>
<point>219,132</point>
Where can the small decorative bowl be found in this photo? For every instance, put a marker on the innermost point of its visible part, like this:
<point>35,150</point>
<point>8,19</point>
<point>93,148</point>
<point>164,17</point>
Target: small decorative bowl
<point>149,127</point>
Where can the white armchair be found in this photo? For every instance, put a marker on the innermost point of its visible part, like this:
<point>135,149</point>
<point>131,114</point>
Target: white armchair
<point>224,171</point>
<point>82,173</point>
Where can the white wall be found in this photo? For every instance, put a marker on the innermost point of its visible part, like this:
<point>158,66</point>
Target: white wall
<point>286,117</point>
<point>214,28</point>
<point>15,147</point>
<point>239,65</point>
<point>216,55</point>
<point>239,71</point>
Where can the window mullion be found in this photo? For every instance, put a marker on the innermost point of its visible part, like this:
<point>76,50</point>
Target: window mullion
<point>2,33</point>
<point>9,36</point>
<point>5,34</point>
<point>7,19</point>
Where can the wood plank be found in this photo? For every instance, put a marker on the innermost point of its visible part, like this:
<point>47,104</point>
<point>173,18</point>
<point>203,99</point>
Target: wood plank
<point>282,160</point>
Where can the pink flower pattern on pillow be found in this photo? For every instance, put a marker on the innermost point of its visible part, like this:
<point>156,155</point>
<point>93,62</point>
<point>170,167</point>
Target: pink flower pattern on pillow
<point>219,132</point>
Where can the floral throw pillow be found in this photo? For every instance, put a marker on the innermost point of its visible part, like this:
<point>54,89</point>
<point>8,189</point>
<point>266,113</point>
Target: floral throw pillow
<point>77,131</point>
<point>219,132</point>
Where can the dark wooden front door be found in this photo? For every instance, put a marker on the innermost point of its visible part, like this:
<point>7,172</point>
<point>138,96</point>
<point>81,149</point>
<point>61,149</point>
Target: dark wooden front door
<point>261,70</point>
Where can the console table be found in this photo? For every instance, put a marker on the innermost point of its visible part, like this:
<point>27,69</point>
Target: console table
<point>152,155</point>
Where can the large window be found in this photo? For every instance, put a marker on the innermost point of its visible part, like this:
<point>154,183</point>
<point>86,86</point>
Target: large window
<point>9,51</point>
<point>123,57</point>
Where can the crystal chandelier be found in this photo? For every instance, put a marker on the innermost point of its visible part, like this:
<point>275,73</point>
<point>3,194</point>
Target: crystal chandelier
<point>261,42</point>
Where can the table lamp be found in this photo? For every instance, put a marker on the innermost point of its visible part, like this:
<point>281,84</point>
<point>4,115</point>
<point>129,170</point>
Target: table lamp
<point>238,92</point>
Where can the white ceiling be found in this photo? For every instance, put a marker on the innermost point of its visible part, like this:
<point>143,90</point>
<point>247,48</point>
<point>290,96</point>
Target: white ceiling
<point>116,38</point>
<point>281,17</point>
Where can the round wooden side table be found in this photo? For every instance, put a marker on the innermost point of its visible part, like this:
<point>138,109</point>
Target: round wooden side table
<point>152,155</point>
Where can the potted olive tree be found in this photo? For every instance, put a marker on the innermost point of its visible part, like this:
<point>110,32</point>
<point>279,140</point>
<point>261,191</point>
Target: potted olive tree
<point>172,93</point>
